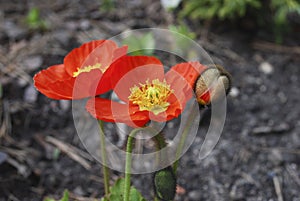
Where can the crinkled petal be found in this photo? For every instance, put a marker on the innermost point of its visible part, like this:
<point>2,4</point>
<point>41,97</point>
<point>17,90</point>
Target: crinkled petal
<point>190,71</point>
<point>54,82</point>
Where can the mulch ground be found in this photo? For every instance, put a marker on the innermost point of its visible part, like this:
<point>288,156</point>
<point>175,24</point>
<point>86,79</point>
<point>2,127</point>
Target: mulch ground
<point>256,158</point>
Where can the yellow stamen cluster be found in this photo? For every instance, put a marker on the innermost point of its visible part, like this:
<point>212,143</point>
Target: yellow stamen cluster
<point>151,96</point>
<point>87,69</point>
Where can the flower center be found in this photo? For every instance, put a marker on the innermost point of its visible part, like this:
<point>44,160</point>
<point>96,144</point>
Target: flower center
<point>151,96</point>
<point>88,68</point>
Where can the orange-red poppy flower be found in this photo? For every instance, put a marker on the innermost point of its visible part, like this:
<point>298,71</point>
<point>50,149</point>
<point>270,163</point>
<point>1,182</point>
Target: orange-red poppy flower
<point>81,71</point>
<point>145,91</point>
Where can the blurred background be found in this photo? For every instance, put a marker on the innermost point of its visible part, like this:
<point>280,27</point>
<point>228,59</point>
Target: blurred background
<point>258,42</point>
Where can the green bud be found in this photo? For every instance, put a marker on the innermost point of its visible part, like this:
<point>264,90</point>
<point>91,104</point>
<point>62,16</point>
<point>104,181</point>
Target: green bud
<point>165,184</point>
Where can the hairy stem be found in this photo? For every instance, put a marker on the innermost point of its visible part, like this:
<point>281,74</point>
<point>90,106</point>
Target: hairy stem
<point>105,169</point>
<point>129,147</point>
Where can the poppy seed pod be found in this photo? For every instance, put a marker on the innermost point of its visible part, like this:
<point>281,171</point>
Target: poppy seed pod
<point>165,184</point>
<point>210,83</point>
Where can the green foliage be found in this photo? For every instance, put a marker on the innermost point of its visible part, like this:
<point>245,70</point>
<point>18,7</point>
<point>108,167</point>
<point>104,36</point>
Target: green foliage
<point>34,21</point>
<point>184,30</point>
<point>140,45</point>
<point>272,12</point>
<point>180,42</point>
<point>222,9</point>
<point>107,5</point>
<point>56,154</point>
<point>117,192</point>
<point>64,198</point>
<point>281,9</point>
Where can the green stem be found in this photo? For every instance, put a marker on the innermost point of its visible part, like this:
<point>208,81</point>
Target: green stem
<point>105,169</point>
<point>128,162</point>
<point>160,143</point>
<point>183,139</point>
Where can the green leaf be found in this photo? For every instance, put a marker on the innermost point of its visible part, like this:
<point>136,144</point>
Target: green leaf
<point>182,29</point>
<point>34,21</point>
<point>33,15</point>
<point>64,198</point>
<point>104,199</point>
<point>117,192</point>
<point>280,16</point>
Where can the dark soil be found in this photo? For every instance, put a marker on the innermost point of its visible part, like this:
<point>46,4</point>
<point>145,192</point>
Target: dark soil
<point>257,157</point>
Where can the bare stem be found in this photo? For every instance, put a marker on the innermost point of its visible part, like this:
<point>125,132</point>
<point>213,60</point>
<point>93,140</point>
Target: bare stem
<point>105,169</point>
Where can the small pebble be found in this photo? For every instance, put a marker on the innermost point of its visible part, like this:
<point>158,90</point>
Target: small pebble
<point>194,195</point>
<point>33,62</point>
<point>282,97</point>
<point>266,68</point>
<point>21,82</point>
<point>276,157</point>
<point>3,157</point>
<point>30,94</point>
<point>78,191</point>
<point>13,31</point>
<point>263,88</point>
<point>84,24</point>
<point>169,4</point>
<point>64,104</point>
<point>234,92</point>
<point>63,36</point>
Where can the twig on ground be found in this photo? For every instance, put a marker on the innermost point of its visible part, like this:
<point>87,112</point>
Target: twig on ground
<point>5,128</point>
<point>79,198</point>
<point>271,47</point>
<point>70,151</point>
<point>19,154</point>
<point>281,149</point>
<point>277,187</point>
<point>223,51</point>
<point>22,169</point>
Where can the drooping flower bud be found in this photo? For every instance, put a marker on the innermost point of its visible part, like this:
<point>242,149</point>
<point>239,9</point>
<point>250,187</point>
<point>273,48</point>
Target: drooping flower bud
<point>211,82</point>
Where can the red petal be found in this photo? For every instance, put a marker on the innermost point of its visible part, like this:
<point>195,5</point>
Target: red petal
<point>182,88</point>
<point>99,51</point>
<point>85,84</point>
<point>132,70</point>
<point>111,111</point>
<point>119,52</point>
<point>190,71</point>
<point>54,82</point>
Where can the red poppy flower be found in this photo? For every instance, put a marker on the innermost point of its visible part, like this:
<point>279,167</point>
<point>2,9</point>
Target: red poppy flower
<point>145,91</point>
<point>81,71</point>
